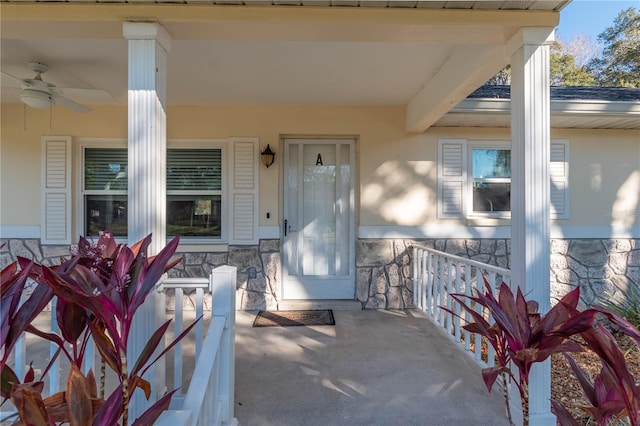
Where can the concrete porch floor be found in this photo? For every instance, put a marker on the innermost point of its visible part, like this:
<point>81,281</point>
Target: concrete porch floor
<point>371,368</point>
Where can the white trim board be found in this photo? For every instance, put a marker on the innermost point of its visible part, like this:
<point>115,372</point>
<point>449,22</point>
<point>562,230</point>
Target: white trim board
<point>451,231</point>
<point>269,232</point>
<point>461,231</point>
<point>20,231</point>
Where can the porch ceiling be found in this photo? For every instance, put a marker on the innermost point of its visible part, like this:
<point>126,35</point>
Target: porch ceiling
<point>426,55</point>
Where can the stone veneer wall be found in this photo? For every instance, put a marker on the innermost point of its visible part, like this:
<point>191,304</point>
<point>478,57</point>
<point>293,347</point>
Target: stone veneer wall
<point>383,266</point>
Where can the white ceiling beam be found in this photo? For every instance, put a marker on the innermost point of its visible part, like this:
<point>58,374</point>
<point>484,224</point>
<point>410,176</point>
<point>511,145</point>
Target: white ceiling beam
<point>464,71</point>
<point>454,80</point>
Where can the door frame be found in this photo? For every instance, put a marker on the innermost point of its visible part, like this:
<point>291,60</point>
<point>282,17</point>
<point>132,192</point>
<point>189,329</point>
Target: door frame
<point>310,140</point>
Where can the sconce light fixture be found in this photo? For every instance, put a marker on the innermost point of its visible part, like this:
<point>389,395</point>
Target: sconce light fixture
<point>268,156</point>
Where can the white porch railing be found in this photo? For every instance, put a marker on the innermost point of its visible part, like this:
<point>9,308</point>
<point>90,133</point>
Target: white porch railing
<point>210,397</point>
<point>437,275</point>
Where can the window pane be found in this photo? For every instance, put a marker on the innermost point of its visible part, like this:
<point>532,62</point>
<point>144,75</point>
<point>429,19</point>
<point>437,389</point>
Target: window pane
<point>194,215</point>
<point>491,197</point>
<point>106,212</point>
<point>194,169</point>
<point>105,169</point>
<point>491,163</point>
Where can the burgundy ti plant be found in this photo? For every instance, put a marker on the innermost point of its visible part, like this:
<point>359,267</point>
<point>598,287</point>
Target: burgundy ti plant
<point>614,393</point>
<point>520,335</point>
<point>98,293</point>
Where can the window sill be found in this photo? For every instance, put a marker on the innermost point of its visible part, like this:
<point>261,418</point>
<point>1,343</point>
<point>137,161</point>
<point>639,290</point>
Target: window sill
<point>187,246</point>
<point>488,221</point>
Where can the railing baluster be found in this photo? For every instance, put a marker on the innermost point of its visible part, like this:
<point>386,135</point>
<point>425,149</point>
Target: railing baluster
<point>54,373</point>
<point>467,315</point>
<point>177,359</point>
<point>457,307</point>
<point>433,285</point>
<point>443,267</point>
<point>425,284</point>
<point>449,300</point>
<point>416,278</point>
<point>199,312</point>
<point>479,309</point>
<point>492,284</point>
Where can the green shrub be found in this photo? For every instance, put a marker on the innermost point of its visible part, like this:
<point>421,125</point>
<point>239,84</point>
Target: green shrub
<point>626,304</point>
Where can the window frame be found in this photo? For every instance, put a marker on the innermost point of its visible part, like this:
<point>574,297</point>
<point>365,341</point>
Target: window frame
<point>454,179</point>
<point>469,184</point>
<point>223,145</point>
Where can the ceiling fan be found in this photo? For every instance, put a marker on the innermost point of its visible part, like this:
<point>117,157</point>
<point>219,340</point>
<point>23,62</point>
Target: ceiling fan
<point>40,94</point>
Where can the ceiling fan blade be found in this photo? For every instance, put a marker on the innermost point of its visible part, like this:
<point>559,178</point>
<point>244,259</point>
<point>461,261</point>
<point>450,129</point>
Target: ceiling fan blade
<point>86,93</point>
<point>13,77</point>
<point>61,100</point>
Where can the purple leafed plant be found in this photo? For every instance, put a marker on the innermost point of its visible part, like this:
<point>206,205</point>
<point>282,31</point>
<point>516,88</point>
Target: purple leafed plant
<point>521,337</point>
<point>614,393</point>
<point>99,291</point>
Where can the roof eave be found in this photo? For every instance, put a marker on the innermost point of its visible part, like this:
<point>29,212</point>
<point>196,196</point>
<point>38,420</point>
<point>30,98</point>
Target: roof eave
<point>557,106</point>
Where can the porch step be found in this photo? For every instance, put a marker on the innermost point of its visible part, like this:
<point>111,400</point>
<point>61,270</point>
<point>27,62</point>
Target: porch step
<point>336,305</point>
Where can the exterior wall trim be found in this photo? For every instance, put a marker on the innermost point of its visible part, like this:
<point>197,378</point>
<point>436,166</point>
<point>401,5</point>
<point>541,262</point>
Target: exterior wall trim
<point>441,231</point>
<point>462,231</point>
<point>269,232</point>
<point>20,231</point>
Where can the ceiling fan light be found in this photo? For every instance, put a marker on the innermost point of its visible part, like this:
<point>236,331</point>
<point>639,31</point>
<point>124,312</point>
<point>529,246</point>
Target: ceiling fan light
<point>37,99</point>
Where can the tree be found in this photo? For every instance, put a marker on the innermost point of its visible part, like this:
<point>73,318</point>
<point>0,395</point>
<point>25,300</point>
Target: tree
<point>619,64</point>
<point>503,78</point>
<point>582,47</point>
<point>564,71</point>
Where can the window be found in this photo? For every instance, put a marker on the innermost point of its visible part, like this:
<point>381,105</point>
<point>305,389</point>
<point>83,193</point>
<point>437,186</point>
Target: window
<point>194,191</point>
<point>105,191</point>
<point>474,179</point>
<point>490,181</point>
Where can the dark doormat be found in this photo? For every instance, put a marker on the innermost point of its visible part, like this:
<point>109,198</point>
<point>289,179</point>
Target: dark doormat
<point>293,318</point>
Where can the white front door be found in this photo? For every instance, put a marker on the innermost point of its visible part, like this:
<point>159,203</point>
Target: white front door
<point>319,236</point>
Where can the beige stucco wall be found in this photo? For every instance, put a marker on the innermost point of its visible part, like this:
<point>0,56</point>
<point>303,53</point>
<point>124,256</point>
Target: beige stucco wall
<point>397,171</point>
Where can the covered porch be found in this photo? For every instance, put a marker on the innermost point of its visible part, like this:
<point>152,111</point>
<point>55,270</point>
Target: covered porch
<point>374,367</point>
<point>243,75</point>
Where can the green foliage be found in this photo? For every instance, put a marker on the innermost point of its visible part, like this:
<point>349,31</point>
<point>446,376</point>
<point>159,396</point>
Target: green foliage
<point>619,64</point>
<point>627,305</point>
<point>565,72</point>
<point>503,78</point>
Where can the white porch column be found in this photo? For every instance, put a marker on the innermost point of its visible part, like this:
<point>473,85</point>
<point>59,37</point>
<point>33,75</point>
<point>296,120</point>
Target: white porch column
<point>147,146</point>
<point>530,204</point>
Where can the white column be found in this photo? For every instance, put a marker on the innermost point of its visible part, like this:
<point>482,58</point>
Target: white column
<point>147,146</point>
<point>530,204</point>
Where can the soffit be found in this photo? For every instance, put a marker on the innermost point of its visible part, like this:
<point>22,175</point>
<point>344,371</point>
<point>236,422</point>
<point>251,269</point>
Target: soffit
<point>360,53</point>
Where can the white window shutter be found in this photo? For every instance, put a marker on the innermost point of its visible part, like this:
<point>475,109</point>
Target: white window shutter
<point>244,192</point>
<point>559,172</point>
<point>55,210</point>
<point>452,155</point>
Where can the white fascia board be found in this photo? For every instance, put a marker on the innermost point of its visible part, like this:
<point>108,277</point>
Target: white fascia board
<point>616,108</point>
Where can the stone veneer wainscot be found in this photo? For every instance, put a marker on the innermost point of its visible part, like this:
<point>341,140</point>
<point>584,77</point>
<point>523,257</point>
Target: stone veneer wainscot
<point>383,266</point>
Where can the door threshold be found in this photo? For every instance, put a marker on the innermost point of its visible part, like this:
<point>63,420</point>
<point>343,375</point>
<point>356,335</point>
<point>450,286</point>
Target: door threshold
<point>314,305</point>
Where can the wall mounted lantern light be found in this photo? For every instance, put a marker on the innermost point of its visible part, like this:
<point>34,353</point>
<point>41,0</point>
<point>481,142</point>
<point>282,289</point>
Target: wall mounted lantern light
<point>268,156</point>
